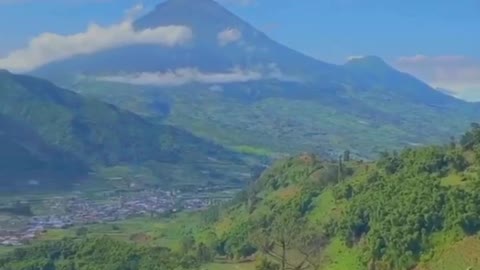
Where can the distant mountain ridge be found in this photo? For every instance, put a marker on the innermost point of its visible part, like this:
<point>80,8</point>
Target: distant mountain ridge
<point>372,70</point>
<point>364,105</point>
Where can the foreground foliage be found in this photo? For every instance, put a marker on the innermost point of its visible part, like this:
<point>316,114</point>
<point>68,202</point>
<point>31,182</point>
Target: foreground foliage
<point>101,253</point>
<point>389,213</point>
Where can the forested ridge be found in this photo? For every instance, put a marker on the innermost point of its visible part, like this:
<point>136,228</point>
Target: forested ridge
<point>55,135</point>
<point>95,131</point>
<point>390,213</point>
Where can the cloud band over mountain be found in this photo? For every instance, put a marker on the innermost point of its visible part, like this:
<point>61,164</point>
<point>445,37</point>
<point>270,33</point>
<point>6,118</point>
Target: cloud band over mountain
<point>50,47</point>
<point>193,75</point>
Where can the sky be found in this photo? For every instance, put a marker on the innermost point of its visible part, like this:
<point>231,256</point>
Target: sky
<point>435,40</point>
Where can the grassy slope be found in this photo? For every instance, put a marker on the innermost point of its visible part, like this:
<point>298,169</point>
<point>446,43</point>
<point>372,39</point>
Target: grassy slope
<point>274,121</point>
<point>463,254</point>
<point>339,257</point>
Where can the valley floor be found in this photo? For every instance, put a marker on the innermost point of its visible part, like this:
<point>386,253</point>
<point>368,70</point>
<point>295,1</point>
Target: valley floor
<point>116,213</point>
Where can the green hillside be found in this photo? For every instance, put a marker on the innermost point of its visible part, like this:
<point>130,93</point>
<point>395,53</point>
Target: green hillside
<point>416,208</point>
<point>25,155</point>
<point>288,118</point>
<point>100,135</point>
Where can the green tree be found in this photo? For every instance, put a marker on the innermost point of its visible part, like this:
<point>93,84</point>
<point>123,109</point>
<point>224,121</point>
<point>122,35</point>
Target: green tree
<point>476,151</point>
<point>288,234</point>
<point>471,137</point>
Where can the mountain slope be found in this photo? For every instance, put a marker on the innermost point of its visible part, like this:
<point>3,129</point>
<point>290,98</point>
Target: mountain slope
<point>372,72</point>
<point>255,92</point>
<point>24,155</point>
<point>99,133</point>
<point>404,210</point>
<point>281,117</point>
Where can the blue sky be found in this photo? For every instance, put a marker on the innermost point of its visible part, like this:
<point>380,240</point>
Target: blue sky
<point>421,37</point>
<point>334,29</point>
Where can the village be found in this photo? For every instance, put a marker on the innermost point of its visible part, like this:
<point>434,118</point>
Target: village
<point>65,212</point>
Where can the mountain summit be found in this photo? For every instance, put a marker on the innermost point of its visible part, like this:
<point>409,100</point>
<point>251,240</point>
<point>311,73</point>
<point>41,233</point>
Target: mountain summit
<point>202,16</point>
<point>220,41</point>
<point>368,62</point>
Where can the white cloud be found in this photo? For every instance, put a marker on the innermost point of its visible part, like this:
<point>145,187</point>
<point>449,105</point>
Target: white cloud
<point>49,47</point>
<point>274,72</point>
<point>355,57</point>
<point>228,36</point>
<point>459,74</point>
<point>193,75</point>
<point>184,76</point>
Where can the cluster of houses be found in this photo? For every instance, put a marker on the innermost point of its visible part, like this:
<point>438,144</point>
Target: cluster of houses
<point>29,232</point>
<point>67,212</point>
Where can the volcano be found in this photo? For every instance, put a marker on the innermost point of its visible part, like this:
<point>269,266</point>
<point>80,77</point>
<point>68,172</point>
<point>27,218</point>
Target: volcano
<point>266,94</point>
